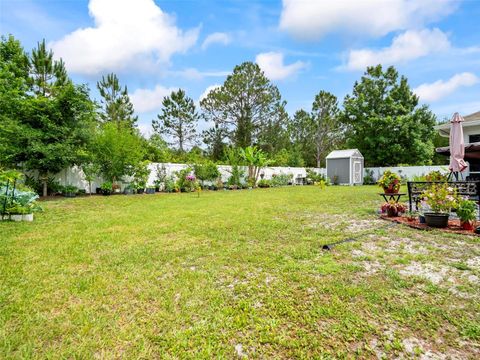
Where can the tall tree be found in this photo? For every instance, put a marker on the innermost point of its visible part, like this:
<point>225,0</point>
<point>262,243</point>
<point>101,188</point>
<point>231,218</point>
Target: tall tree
<point>47,74</point>
<point>178,120</point>
<point>385,122</point>
<point>214,138</point>
<point>14,79</point>
<point>52,133</point>
<point>45,123</point>
<point>243,104</point>
<point>116,104</point>
<point>325,126</point>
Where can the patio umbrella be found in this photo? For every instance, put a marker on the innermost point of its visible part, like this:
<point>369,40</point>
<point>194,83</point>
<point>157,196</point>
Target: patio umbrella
<point>457,145</point>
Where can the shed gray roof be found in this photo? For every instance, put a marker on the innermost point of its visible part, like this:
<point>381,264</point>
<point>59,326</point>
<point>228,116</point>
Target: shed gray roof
<point>344,154</point>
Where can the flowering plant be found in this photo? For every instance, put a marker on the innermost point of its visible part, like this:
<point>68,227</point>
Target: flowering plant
<point>392,208</point>
<point>441,198</point>
<point>390,182</point>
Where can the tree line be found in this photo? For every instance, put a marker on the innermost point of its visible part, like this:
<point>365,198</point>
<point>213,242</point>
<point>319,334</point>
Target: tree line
<point>48,123</point>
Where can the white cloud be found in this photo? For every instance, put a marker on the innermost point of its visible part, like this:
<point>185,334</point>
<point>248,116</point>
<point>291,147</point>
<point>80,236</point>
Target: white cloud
<point>145,100</point>
<point>125,31</point>
<point>216,38</point>
<point>207,91</point>
<point>439,89</point>
<point>195,74</point>
<point>310,20</point>
<point>410,45</point>
<point>272,65</point>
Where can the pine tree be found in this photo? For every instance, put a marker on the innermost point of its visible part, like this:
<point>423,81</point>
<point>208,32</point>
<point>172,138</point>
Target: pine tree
<point>46,73</point>
<point>116,104</point>
<point>178,120</point>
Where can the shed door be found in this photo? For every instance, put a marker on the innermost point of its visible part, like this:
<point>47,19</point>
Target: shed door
<point>357,171</point>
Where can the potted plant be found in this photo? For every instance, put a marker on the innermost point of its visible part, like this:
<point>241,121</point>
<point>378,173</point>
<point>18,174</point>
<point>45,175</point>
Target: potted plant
<point>129,190</point>
<point>106,188</point>
<point>70,191</point>
<point>390,182</point>
<point>393,209</point>
<point>411,216</point>
<point>441,198</point>
<point>467,212</point>
<point>150,190</point>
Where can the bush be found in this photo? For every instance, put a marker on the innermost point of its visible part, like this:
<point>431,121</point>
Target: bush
<point>436,175</point>
<point>313,177</point>
<point>281,179</point>
<point>264,183</point>
<point>207,171</point>
<point>368,178</point>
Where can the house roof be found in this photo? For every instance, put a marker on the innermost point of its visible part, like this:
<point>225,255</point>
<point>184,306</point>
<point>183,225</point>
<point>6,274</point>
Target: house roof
<point>344,154</point>
<point>472,117</point>
<point>470,120</point>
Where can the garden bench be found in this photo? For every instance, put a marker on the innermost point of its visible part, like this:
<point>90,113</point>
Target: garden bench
<point>470,189</point>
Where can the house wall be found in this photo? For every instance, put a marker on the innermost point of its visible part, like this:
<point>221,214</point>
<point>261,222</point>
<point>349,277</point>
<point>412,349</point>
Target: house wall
<point>470,130</point>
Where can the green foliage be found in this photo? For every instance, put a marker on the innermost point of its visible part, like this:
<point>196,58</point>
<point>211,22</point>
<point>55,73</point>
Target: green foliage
<point>107,186</point>
<point>441,197</point>
<point>70,189</point>
<point>368,178</point>
<point>118,150</point>
<point>264,183</point>
<point>436,175</point>
<point>281,179</point>
<point>243,104</point>
<point>467,210</point>
<point>178,119</point>
<point>158,150</point>
<point>385,122</point>
<point>389,181</point>
<point>140,172</point>
<point>47,74</point>
<point>255,159</point>
<point>207,171</point>
<point>186,181</point>
<point>116,104</point>
<point>313,177</point>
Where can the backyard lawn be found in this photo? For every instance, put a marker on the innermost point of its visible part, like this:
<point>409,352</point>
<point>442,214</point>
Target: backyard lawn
<point>234,274</point>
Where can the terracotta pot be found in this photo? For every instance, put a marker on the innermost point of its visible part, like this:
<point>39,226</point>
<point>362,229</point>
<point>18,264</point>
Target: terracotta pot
<point>391,190</point>
<point>467,225</point>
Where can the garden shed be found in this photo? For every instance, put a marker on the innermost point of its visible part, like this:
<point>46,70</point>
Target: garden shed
<point>345,167</point>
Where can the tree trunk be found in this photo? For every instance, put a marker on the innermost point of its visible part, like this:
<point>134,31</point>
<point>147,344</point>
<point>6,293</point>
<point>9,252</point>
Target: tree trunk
<point>45,186</point>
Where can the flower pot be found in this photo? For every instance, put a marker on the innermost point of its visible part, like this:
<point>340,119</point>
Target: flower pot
<point>421,219</point>
<point>27,217</point>
<point>106,192</point>
<point>140,191</point>
<point>467,225</point>
<point>437,220</point>
<point>392,212</point>
<point>128,191</point>
<point>391,190</point>
<point>70,194</point>
<point>16,217</point>
<point>150,191</point>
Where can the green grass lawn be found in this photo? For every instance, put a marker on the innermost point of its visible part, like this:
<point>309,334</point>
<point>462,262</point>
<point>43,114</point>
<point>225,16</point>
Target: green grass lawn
<point>234,274</point>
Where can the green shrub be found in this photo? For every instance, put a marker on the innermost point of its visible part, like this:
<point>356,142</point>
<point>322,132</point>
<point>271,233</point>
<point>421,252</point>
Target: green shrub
<point>281,179</point>
<point>263,183</point>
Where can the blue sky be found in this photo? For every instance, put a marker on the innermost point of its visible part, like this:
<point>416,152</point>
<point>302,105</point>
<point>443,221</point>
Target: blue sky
<point>303,46</point>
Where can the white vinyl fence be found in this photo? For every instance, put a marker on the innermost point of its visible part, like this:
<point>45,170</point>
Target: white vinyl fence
<point>74,176</point>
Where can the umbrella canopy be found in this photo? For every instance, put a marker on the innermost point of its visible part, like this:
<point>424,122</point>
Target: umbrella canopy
<point>457,145</point>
